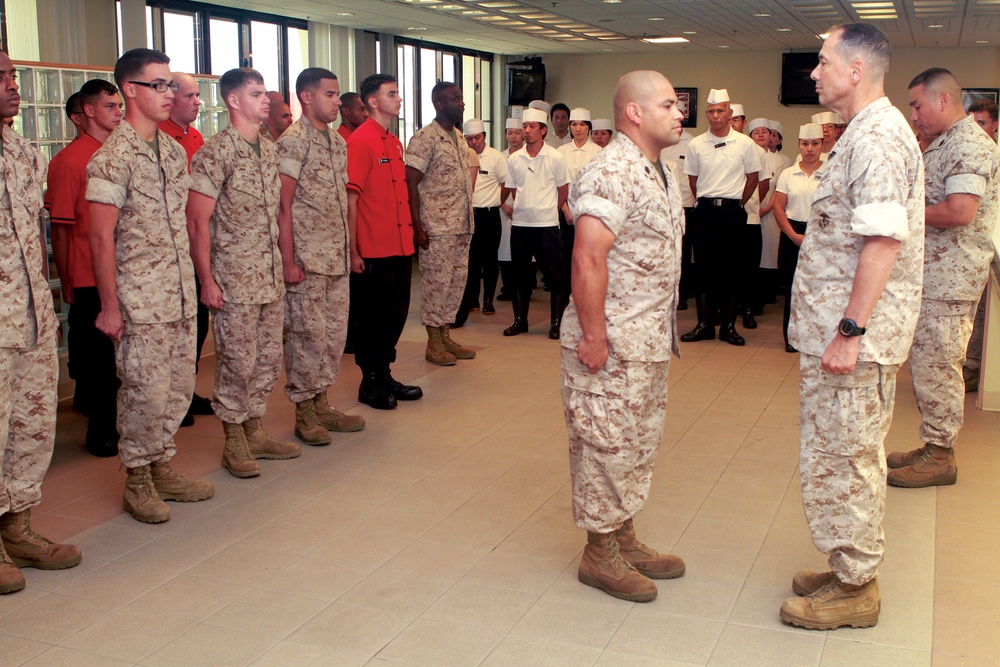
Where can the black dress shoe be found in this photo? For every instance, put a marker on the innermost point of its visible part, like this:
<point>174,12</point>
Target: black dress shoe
<point>518,327</point>
<point>700,332</point>
<point>101,441</point>
<point>728,334</point>
<point>200,406</point>
<point>503,296</point>
<point>682,304</point>
<point>374,393</point>
<point>488,308</point>
<point>748,320</point>
<point>188,420</point>
<point>402,392</point>
<point>790,349</point>
<point>554,331</point>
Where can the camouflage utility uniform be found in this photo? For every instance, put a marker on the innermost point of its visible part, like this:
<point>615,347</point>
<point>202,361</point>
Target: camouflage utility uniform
<point>615,416</point>
<point>155,284</point>
<point>246,265</point>
<point>873,186</point>
<point>316,309</point>
<point>29,369</point>
<point>446,216</point>
<point>956,266</point>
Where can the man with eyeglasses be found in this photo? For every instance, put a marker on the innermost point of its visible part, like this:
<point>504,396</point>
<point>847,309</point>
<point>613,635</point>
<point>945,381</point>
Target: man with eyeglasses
<point>137,187</point>
<point>91,354</point>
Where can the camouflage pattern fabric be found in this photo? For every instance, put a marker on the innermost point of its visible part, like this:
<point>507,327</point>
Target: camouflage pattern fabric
<point>444,268</point>
<point>446,188</point>
<point>315,333</point>
<point>248,358</point>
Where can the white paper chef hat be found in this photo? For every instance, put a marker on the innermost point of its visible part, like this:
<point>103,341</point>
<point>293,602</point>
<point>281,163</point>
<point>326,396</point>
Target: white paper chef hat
<point>474,126</point>
<point>810,131</point>
<point>540,104</point>
<point>602,124</point>
<point>758,122</point>
<point>579,114</point>
<point>534,116</point>
<point>737,110</point>
<point>718,96</point>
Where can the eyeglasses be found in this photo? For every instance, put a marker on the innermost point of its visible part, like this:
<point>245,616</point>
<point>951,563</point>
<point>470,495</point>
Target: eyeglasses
<point>158,86</point>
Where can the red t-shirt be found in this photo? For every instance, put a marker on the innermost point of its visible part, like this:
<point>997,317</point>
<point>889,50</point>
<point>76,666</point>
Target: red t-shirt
<point>190,140</point>
<point>376,171</point>
<point>344,132</point>
<point>67,204</point>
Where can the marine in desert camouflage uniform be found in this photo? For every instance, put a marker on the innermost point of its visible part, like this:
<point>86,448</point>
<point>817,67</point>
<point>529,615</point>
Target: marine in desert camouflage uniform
<point>440,184</point>
<point>315,246</point>
<point>960,171</point>
<point>855,299</point>
<point>619,332</point>
<point>232,215</point>
<point>137,186</point>
<point>29,369</point>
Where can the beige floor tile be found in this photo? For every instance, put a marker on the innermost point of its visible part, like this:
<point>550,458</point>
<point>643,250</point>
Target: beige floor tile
<point>210,645</point>
<point>968,511</point>
<point>958,596</point>
<point>238,564</point>
<point>784,553</point>
<point>966,634</point>
<point>439,644</point>
<point>354,629</point>
<point>844,651</point>
<point>671,637</point>
<point>968,565</point>
<point>695,598</point>
<point>951,660</point>
<point>397,591</point>
<point>518,572</point>
<point>481,606</point>
<point>127,635</point>
<point>952,534</point>
<point>18,650</point>
<point>189,598</point>
<point>319,576</point>
<point>290,654</point>
<point>758,607</point>
<point>58,656</point>
<point>54,617</point>
<point>748,645</point>
<point>116,583</point>
<point>585,622</point>
<point>620,659</point>
<point>517,650</point>
<point>267,613</point>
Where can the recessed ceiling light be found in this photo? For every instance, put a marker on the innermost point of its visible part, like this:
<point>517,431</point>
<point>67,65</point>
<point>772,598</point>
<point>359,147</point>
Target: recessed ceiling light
<point>345,13</point>
<point>473,39</point>
<point>612,2</point>
<point>609,49</point>
<point>982,41</point>
<point>657,18</point>
<point>936,25</point>
<point>473,12</point>
<point>690,32</point>
<point>784,29</point>
<point>723,46</point>
<point>665,40</point>
<point>416,29</point>
<point>761,15</point>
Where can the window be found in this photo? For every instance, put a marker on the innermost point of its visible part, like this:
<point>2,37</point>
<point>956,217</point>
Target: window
<point>298,60</point>
<point>225,45</point>
<point>265,55</point>
<point>180,41</point>
<point>406,73</point>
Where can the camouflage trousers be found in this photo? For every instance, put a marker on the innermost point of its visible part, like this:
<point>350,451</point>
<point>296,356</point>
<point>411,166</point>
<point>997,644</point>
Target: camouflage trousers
<point>444,269</point>
<point>156,366</point>
<point>248,358</point>
<point>936,359</point>
<point>614,419</point>
<point>974,352</point>
<point>843,422</point>
<point>28,378</point>
<point>316,313</point>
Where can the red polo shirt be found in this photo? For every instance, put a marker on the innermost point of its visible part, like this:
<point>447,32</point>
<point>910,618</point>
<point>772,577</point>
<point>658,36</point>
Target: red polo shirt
<point>375,170</point>
<point>344,132</point>
<point>191,139</point>
<point>67,204</point>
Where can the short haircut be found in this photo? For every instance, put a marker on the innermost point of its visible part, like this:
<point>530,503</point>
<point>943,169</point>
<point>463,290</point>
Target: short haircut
<point>866,40</point>
<point>348,98</point>
<point>91,91</point>
<point>981,105</point>
<point>590,125</point>
<point>73,104</point>
<point>439,89</point>
<point>371,85</point>
<point>236,79</point>
<point>132,62</point>
<point>937,79</point>
<point>556,107</point>
<point>310,77</point>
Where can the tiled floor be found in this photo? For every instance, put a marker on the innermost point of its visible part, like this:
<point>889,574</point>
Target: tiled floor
<point>442,534</point>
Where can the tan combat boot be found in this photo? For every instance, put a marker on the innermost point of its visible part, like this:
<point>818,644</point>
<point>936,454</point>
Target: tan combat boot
<point>806,583</point>
<point>602,567</point>
<point>236,456</point>
<point>26,548</point>
<point>903,459</point>
<point>834,606</point>
<point>264,446</point>
<point>11,579</point>
<point>935,466</point>
<point>335,420</point>
<point>460,351</point>
<point>647,560</point>
<point>171,486</point>
<point>436,354</point>
<point>141,500</point>
<point>307,426</point>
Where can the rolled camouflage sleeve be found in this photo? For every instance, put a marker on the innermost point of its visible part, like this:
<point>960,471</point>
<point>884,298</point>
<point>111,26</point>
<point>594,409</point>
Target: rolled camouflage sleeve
<point>291,156</point>
<point>594,197</point>
<point>880,209</point>
<point>419,152</point>
<point>208,172</point>
<point>107,180</point>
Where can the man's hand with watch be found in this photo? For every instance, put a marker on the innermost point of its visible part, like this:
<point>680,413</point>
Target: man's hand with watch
<point>841,354</point>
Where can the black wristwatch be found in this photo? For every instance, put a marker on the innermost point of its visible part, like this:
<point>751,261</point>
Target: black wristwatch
<point>850,328</point>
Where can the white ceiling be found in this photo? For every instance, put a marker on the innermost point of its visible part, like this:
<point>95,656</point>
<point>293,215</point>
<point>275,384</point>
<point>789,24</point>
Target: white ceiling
<point>521,27</point>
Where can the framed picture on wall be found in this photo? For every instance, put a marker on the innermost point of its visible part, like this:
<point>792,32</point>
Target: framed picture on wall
<point>687,100</point>
<point>970,95</point>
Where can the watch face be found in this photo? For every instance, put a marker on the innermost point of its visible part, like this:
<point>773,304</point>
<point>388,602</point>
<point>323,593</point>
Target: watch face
<point>849,328</point>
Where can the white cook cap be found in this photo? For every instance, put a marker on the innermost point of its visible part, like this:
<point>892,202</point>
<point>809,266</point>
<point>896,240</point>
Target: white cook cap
<point>474,126</point>
<point>579,114</point>
<point>718,96</point>
<point>758,122</point>
<point>534,116</point>
<point>811,131</point>
<point>602,124</point>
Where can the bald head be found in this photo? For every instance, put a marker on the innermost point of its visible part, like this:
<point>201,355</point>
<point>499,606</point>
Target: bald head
<point>646,111</point>
<point>187,99</point>
<point>275,97</point>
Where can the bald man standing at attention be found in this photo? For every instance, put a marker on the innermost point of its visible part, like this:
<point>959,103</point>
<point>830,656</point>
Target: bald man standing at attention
<point>618,334</point>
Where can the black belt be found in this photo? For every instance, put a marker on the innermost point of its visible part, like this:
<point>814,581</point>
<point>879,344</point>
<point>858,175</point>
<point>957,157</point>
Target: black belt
<point>720,202</point>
